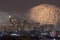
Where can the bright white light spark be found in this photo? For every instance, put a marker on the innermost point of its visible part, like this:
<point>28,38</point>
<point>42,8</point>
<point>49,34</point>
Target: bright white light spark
<point>9,16</point>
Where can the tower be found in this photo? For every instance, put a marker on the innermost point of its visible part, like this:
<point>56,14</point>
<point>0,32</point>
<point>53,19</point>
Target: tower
<point>14,23</point>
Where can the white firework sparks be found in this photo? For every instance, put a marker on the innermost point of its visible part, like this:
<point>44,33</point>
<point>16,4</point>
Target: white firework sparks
<point>44,14</point>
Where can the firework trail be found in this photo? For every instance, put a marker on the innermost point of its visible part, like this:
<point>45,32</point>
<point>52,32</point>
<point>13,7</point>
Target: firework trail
<point>44,14</point>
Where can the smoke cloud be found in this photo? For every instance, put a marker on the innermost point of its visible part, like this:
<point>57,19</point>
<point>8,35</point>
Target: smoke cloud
<point>4,17</point>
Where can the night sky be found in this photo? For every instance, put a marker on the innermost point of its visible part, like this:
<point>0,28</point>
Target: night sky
<point>19,8</point>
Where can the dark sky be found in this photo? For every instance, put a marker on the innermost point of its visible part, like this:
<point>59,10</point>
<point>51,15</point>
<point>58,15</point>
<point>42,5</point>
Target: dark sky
<point>23,5</point>
<point>19,8</point>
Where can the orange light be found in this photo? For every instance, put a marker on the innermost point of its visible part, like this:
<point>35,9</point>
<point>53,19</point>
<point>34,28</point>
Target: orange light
<point>44,14</point>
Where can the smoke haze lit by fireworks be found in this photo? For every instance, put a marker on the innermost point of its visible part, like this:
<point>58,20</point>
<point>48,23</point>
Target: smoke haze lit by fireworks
<point>41,11</point>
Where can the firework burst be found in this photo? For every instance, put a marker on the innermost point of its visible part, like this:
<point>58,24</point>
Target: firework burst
<point>44,14</point>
